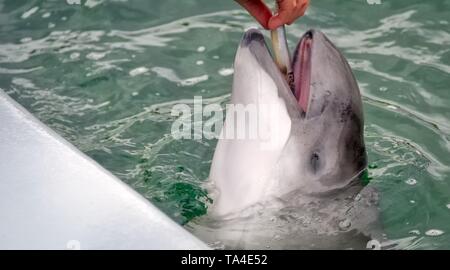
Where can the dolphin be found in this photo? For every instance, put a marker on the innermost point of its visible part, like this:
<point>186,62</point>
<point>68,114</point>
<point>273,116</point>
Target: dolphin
<point>303,167</point>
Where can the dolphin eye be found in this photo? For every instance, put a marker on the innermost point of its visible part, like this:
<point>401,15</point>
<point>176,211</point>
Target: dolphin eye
<point>315,161</point>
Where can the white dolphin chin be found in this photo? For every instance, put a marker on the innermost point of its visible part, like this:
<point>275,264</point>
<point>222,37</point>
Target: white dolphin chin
<point>312,144</point>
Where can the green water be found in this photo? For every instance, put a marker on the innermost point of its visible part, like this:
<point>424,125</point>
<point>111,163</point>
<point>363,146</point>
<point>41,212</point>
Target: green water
<point>105,75</point>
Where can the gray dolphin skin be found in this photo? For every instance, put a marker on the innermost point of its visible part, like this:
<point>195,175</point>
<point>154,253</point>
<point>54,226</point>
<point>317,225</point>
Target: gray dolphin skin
<point>307,159</point>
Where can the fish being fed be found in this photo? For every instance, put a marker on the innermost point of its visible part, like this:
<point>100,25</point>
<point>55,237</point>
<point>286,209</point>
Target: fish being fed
<point>299,177</point>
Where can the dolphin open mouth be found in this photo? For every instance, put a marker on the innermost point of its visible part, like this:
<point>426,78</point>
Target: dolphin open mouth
<point>301,66</point>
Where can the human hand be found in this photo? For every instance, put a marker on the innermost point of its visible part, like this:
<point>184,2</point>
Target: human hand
<point>288,11</point>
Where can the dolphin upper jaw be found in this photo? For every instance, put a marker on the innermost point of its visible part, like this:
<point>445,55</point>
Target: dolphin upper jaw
<point>242,168</point>
<point>315,132</point>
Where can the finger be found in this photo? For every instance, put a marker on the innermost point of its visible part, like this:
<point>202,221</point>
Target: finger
<point>282,17</point>
<point>301,7</point>
<point>258,10</point>
<point>285,14</point>
<point>289,11</point>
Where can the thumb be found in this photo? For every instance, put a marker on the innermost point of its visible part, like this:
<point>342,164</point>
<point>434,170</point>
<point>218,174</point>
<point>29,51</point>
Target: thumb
<point>258,10</point>
<point>284,14</point>
<point>288,12</point>
<point>275,22</point>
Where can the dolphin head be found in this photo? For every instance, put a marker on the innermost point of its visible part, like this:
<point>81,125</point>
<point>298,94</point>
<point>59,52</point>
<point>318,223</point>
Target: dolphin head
<point>331,123</point>
<point>309,139</point>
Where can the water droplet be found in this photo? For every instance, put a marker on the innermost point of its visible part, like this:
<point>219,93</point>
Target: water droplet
<point>411,181</point>
<point>201,49</point>
<point>26,39</point>
<point>215,57</point>
<point>383,89</point>
<point>92,3</point>
<point>345,224</point>
<point>95,55</point>
<point>448,206</point>
<point>226,71</point>
<point>138,71</point>
<point>412,201</point>
<point>193,80</point>
<point>30,12</point>
<point>46,15</point>
<point>63,18</point>
<point>51,25</point>
<point>74,55</point>
<point>157,94</point>
<point>134,94</point>
<point>392,107</point>
<point>434,232</point>
<point>415,232</point>
<point>199,62</point>
<point>73,2</point>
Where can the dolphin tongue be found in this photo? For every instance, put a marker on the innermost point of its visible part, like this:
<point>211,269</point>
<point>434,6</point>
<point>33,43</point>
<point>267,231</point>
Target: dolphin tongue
<point>302,71</point>
<point>297,72</point>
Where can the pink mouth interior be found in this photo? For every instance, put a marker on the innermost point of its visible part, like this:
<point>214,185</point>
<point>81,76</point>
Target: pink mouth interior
<point>302,73</point>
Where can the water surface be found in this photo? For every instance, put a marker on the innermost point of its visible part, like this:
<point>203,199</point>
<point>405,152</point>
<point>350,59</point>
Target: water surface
<point>105,75</point>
